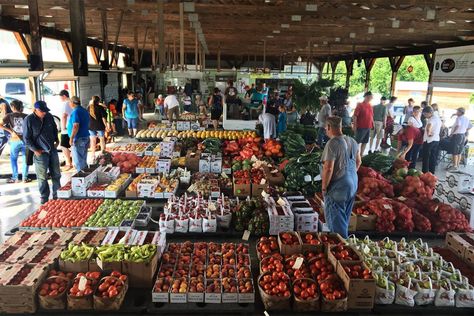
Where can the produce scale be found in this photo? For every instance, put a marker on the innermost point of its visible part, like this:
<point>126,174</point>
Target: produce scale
<point>215,222</point>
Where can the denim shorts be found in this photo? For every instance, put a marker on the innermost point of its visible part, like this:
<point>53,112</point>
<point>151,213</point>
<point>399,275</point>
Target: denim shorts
<point>97,133</point>
<point>132,123</point>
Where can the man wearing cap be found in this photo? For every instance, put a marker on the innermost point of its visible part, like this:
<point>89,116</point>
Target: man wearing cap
<point>458,136</point>
<point>78,131</point>
<point>363,121</point>
<point>380,122</point>
<point>41,136</point>
<point>408,110</point>
<point>431,138</point>
<point>323,115</point>
<point>65,113</point>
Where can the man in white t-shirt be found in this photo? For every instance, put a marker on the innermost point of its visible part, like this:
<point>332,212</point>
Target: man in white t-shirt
<point>65,112</point>
<point>171,104</point>
<point>430,140</point>
<point>458,136</point>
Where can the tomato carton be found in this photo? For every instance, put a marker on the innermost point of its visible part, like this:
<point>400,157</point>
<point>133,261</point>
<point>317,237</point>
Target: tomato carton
<point>280,216</point>
<point>310,242</point>
<point>352,223</point>
<point>78,266</point>
<point>329,239</point>
<point>12,254</point>
<point>18,239</point>
<point>365,222</point>
<point>192,160</point>
<point>469,256</point>
<point>290,243</point>
<point>342,253</point>
<point>241,189</point>
<point>274,177</point>
<point>361,291</point>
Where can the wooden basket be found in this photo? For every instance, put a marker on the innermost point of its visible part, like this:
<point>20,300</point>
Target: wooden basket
<point>81,303</point>
<point>334,306</point>
<point>107,303</point>
<point>306,305</point>
<point>273,303</point>
<point>54,302</point>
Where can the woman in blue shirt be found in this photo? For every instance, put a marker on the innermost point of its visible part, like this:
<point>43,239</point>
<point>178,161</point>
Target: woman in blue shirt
<point>130,113</point>
<point>281,126</point>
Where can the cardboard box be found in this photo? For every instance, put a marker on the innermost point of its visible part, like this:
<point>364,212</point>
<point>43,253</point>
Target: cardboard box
<point>213,298</point>
<point>79,266</point>
<point>205,163</point>
<point>140,275</point>
<point>352,223</point>
<point>290,249</point>
<point>79,192</point>
<point>216,165</point>
<point>107,174</point>
<point>274,178</point>
<point>364,222</point>
<point>469,256</point>
<point>160,297</point>
<point>83,179</point>
<point>242,190</point>
<point>334,260</point>
<point>195,297</point>
<point>463,202</point>
<point>281,217</point>
<point>463,182</point>
<point>361,292</point>
<point>192,160</point>
<point>457,244</point>
<point>308,247</point>
<point>183,125</point>
<point>258,188</point>
<point>163,165</point>
<point>64,194</point>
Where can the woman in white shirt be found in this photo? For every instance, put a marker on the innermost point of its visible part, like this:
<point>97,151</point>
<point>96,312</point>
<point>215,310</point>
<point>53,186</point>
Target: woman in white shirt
<point>415,119</point>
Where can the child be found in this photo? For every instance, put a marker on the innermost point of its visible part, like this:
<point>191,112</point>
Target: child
<point>281,126</point>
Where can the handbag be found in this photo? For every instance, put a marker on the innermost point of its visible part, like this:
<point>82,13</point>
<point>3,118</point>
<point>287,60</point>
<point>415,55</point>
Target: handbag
<point>29,153</point>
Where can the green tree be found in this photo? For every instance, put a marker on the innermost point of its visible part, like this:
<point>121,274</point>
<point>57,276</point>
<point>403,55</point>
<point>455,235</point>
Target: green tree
<point>420,70</point>
<point>380,77</point>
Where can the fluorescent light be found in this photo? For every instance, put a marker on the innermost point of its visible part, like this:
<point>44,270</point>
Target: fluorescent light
<point>315,45</point>
<point>193,17</point>
<point>296,18</point>
<point>189,6</point>
<point>364,7</point>
<point>285,26</point>
<point>450,22</point>
<point>371,30</point>
<point>411,30</point>
<point>430,14</point>
<point>20,6</point>
<point>269,36</point>
<point>395,24</point>
<point>441,23</point>
<point>276,31</point>
<point>337,39</point>
<point>352,35</point>
<point>312,7</point>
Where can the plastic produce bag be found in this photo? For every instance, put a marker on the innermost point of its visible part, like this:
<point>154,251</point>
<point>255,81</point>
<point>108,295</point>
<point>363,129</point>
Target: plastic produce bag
<point>425,296</point>
<point>385,295</point>
<point>445,296</point>
<point>405,295</point>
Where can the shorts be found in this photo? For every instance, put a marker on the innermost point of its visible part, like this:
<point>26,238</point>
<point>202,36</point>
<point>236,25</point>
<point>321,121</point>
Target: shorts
<point>458,143</point>
<point>132,123</point>
<point>97,133</point>
<point>173,113</point>
<point>378,130</point>
<point>362,135</point>
<point>65,141</point>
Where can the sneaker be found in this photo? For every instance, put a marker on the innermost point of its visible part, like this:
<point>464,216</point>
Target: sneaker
<point>12,180</point>
<point>27,180</point>
<point>43,201</point>
<point>370,151</point>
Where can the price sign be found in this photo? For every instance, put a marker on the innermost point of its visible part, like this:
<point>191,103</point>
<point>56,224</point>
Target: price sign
<point>307,178</point>
<point>82,283</point>
<point>263,181</point>
<point>265,194</point>
<point>224,175</point>
<point>246,235</point>
<point>266,313</point>
<point>387,207</point>
<point>42,214</point>
<point>298,263</point>
<point>281,202</point>
<point>212,207</point>
<point>274,171</point>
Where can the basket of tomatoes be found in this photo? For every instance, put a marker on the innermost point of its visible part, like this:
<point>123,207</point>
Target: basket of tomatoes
<point>111,291</point>
<point>306,295</point>
<point>274,288</point>
<point>80,295</point>
<point>52,292</point>
<point>334,295</point>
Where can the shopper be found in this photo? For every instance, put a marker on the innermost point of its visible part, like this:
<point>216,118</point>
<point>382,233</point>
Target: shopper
<point>4,135</point>
<point>416,120</point>
<point>408,110</point>
<point>458,136</point>
<point>250,91</point>
<point>291,116</point>
<point>324,113</point>
<point>431,139</point>
<point>159,105</point>
<point>269,125</point>
<point>232,101</point>
<point>130,113</point>
<point>13,124</point>
<point>282,120</point>
<point>97,124</point>
<point>341,159</point>
<point>64,142</point>
<point>363,121</point>
<point>78,129</point>
<point>435,108</point>
<point>216,103</point>
<point>410,140</point>
<point>41,137</point>
<point>112,116</point>
<point>187,103</point>
<point>380,122</point>
<point>202,108</point>
<point>273,104</point>
<point>389,122</point>
<point>171,104</point>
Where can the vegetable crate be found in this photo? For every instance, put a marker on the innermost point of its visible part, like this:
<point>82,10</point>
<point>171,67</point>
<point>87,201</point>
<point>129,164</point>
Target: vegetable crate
<point>361,292</point>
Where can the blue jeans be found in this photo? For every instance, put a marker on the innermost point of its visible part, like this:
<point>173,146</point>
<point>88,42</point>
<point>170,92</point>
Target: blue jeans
<point>43,163</point>
<point>322,137</point>
<point>16,147</point>
<point>79,153</point>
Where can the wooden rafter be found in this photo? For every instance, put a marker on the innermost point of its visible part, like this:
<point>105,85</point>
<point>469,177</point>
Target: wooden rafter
<point>24,45</point>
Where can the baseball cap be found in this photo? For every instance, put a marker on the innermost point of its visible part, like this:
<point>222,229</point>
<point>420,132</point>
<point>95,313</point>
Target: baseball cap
<point>323,98</point>
<point>461,110</point>
<point>41,105</point>
<point>64,93</point>
<point>383,98</point>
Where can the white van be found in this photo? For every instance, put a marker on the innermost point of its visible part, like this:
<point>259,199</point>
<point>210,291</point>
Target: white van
<point>23,90</point>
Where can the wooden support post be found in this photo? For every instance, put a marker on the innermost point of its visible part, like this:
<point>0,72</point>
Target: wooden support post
<point>291,63</point>
<point>349,68</point>
<point>105,40</point>
<point>181,35</point>
<point>310,55</point>
<point>114,48</point>
<point>78,37</point>
<point>196,52</point>
<point>153,51</point>
<point>219,58</point>
<point>203,59</point>
<point>136,60</point>
<point>143,47</point>
<point>429,59</point>
<point>161,35</point>
<point>395,63</point>
<point>279,65</point>
<point>67,51</point>
<point>94,54</point>
<point>264,54</point>
<point>23,43</point>
<point>36,57</point>
<point>333,68</point>
<point>169,57</point>
<point>369,63</point>
<point>175,56</point>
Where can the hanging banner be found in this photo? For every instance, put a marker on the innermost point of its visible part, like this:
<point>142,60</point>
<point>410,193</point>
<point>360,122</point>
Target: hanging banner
<point>454,67</point>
